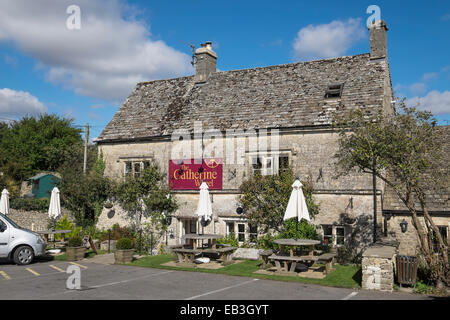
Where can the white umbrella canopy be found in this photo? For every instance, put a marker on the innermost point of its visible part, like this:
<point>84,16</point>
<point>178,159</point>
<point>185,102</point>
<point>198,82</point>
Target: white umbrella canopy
<point>4,202</point>
<point>54,210</point>
<point>296,207</point>
<point>204,208</point>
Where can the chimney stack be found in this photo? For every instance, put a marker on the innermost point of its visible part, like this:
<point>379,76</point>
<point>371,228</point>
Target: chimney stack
<point>206,62</point>
<point>378,39</point>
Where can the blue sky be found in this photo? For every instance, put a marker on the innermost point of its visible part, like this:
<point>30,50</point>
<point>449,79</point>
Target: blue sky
<point>86,74</point>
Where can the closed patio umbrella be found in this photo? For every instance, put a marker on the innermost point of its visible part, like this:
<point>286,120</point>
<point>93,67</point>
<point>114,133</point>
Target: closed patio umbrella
<point>296,207</point>
<point>204,208</point>
<point>4,202</point>
<point>54,210</point>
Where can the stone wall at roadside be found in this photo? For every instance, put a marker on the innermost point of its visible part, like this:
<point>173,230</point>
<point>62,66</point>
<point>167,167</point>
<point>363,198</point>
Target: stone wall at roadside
<point>33,220</point>
<point>378,266</point>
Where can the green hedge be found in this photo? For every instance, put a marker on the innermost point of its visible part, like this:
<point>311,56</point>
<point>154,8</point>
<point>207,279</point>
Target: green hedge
<point>124,244</point>
<point>75,241</point>
<point>30,204</point>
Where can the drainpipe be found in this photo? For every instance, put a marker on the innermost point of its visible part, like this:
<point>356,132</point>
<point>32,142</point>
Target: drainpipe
<point>374,183</point>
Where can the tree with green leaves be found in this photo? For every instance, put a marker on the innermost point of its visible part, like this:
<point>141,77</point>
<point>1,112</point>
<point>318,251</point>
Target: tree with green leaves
<point>146,196</point>
<point>35,144</point>
<point>265,198</point>
<point>405,151</point>
<point>85,194</point>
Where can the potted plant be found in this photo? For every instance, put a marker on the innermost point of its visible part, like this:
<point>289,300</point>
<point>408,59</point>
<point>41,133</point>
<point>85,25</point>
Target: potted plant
<point>124,251</point>
<point>75,249</point>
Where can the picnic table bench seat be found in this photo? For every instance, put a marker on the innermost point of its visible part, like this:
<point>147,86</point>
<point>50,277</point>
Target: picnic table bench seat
<point>264,255</point>
<point>224,253</point>
<point>292,260</point>
<point>187,255</point>
<point>328,258</point>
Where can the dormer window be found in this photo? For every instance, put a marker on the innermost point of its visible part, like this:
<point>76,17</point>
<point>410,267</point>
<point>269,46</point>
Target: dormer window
<point>334,90</point>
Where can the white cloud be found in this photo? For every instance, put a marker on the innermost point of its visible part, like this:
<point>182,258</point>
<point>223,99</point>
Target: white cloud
<point>429,76</point>
<point>327,40</point>
<point>435,101</point>
<point>104,59</point>
<point>15,104</point>
<point>418,88</point>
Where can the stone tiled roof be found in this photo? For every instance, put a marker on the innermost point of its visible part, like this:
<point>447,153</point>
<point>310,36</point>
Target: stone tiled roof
<point>283,96</point>
<point>435,201</point>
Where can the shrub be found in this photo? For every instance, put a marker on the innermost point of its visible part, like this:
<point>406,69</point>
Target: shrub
<point>93,232</point>
<point>124,244</point>
<point>118,232</point>
<point>75,241</point>
<point>30,204</point>
<point>65,224</point>
<point>423,288</point>
<point>231,240</point>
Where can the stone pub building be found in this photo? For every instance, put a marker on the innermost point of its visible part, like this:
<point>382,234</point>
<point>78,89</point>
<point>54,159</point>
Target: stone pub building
<point>294,100</point>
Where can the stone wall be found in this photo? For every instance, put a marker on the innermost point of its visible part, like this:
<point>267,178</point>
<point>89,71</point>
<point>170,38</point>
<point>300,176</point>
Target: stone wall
<point>409,240</point>
<point>378,267</point>
<point>34,220</point>
<point>310,154</point>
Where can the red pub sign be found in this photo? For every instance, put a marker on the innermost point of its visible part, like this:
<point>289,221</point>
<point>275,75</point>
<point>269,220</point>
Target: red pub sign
<point>188,175</point>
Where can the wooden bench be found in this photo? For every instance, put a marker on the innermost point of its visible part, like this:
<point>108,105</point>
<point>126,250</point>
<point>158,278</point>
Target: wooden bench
<point>186,255</point>
<point>328,258</point>
<point>291,260</point>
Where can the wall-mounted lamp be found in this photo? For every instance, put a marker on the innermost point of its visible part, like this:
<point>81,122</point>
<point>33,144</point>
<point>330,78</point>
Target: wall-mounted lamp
<point>404,225</point>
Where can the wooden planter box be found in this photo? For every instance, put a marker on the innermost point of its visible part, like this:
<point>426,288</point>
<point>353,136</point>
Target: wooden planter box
<point>123,256</point>
<point>75,253</point>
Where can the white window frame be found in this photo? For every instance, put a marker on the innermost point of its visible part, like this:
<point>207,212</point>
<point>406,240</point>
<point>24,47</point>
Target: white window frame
<point>239,232</point>
<point>133,163</point>
<point>274,158</point>
<point>334,235</point>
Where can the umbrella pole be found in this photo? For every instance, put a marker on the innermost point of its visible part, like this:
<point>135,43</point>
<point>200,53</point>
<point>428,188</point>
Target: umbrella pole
<point>296,228</point>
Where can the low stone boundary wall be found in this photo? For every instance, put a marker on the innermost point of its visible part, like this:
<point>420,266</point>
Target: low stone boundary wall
<point>378,266</point>
<point>34,220</point>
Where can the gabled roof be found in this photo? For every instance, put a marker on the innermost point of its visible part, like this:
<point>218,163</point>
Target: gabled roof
<point>43,174</point>
<point>282,96</point>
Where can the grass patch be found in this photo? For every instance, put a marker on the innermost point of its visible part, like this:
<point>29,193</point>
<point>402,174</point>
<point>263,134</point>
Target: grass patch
<point>344,276</point>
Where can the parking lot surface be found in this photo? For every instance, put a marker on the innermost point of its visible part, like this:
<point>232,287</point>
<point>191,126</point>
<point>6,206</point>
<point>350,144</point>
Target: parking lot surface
<point>47,280</point>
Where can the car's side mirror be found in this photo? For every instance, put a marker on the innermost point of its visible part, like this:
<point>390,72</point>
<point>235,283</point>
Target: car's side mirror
<point>2,226</point>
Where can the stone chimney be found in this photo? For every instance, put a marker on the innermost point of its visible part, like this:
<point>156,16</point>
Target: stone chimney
<point>378,39</point>
<point>206,62</point>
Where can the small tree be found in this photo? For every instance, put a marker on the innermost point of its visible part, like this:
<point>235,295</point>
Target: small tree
<point>405,151</point>
<point>265,199</point>
<point>146,196</point>
<point>84,194</point>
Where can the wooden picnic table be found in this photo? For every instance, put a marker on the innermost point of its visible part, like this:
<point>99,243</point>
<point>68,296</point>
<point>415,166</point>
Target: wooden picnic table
<point>46,233</point>
<point>193,238</point>
<point>291,243</point>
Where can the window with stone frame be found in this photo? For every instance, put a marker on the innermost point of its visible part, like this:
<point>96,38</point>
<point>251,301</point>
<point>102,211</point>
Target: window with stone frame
<point>334,235</point>
<point>443,230</point>
<point>135,168</point>
<point>253,232</point>
<point>230,229</point>
<point>268,164</point>
<point>241,232</point>
<point>128,168</point>
<point>193,226</point>
<point>340,235</point>
<point>327,234</point>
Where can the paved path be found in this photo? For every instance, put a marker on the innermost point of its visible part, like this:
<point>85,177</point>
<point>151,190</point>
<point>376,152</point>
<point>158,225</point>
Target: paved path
<point>47,280</point>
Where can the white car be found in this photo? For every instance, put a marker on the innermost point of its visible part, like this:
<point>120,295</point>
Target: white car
<point>19,244</point>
